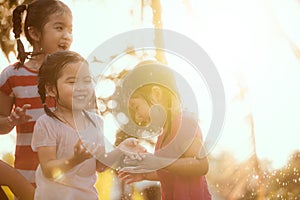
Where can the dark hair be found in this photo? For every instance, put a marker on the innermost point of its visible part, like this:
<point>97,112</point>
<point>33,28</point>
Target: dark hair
<point>50,72</point>
<point>37,16</point>
<point>145,75</point>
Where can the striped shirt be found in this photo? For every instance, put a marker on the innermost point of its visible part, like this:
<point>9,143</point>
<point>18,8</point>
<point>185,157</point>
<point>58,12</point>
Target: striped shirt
<point>21,84</point>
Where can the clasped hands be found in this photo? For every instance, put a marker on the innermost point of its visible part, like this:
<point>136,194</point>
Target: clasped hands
<point>138,160</point>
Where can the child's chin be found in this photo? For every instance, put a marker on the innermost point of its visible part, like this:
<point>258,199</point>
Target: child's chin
<point>78,107</point>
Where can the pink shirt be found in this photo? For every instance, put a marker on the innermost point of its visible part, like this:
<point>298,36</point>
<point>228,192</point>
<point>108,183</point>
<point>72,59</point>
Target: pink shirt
<point>174,186</point>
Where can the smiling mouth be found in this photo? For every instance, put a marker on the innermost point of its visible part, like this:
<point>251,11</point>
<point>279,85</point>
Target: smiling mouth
<point>80,97</point>
<point>64,47</point>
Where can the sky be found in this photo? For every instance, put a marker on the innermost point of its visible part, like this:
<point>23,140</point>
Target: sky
<point>250,44</point>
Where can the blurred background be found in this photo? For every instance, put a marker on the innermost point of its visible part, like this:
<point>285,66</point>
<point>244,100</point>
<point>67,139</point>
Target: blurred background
<point>255,46</point>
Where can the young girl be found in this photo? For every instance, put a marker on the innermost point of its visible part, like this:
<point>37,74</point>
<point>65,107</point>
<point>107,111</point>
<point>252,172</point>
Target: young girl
<point>48,28</point>
<point>67,137</point>
<point>178,163</point>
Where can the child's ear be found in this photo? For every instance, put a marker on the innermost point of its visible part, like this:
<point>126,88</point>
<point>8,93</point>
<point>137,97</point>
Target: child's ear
<point>34,34</point>
<point>51,90</point>
<point>156,94</point>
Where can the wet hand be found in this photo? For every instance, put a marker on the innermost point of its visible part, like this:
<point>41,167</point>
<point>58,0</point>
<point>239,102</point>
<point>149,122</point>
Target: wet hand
<point>97,150</point>
<point>129,178</point>
<point>132,149</point>
<point>149,163</point>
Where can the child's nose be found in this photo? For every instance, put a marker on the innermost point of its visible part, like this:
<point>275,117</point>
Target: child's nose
<point>80,87</point>
<point>68,35</point>
<point>138,118</point>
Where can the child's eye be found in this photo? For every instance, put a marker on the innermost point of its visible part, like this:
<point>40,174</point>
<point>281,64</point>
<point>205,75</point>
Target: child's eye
<point>60,28</point>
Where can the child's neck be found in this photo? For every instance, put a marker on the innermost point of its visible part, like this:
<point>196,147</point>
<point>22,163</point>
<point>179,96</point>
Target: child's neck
<point>74,119</point>
<point>35,62</point>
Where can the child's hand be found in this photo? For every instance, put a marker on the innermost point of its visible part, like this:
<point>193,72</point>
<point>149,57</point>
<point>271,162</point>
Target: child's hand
<point>132,149</point>
<point>80,152</point>
<point>149,163</point>
<point>19,116</point>
<point>129,178</point>
<point>97,150</point>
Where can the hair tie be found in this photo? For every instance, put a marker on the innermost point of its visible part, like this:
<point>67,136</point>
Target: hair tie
<point>44,104</point>
<point>18,38</point>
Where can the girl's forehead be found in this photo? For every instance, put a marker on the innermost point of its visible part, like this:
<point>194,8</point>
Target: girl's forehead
<point>135,101</point>
<point>76,67</point>
<point>63,17</point>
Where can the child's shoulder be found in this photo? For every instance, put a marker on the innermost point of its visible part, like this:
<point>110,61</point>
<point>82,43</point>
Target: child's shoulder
<point>13,70</point>
<point>12,66</point>
<point>45,119</point>
<point>93,115</point>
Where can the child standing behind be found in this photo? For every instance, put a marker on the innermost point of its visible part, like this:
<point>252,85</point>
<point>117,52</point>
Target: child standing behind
<point>48,28</point>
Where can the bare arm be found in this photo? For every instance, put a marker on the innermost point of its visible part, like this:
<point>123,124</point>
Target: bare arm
<point>10,177</point>
<point>53,167</point>
<point>111,159</point>
<point>114,159</point>
<point>190,164</point>
<point>5,110</point>
<point>129,178</point>
<point>9,118</point>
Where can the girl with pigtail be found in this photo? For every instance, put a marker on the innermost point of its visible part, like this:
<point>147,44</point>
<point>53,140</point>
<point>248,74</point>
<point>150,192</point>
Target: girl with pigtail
<point>48,28</point>
<point>69,139</point>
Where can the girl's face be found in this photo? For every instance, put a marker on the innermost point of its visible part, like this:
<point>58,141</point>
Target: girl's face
<point>75,87</point>
<point>140,110</point>
<point>57,33</point>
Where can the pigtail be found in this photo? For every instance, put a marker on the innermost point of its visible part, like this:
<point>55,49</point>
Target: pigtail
<point>17,29</point>
<point>42,93</point>
<point>37,14</point>
<point>42,80</point>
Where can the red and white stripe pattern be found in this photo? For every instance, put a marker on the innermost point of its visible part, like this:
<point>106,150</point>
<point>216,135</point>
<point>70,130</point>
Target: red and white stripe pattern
<point>22,85</point>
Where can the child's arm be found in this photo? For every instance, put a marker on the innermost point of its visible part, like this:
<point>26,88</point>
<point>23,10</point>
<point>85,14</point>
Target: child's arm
<point>129,178</point>
<point>114,159</point>
<point>53,168</point>
<point>9,118</point>
<point>10,177</point>
<point>189,164</point>
<point>5,110</point>
<point>111,159</point>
